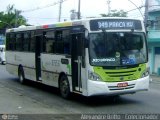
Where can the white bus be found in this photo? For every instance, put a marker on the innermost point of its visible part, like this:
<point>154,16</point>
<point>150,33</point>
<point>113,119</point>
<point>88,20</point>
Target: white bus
<point>100,56</point>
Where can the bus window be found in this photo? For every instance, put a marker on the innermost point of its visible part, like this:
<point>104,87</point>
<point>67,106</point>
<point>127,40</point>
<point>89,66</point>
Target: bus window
<point>59,42</point>
<point>7,41</point>
<point>49,39</point>
<point>63,42</point>
<point>19,41</point>
<point>12,41</point>
<point>67,44</point>
<point>26,41</point>
<point>32,42</point>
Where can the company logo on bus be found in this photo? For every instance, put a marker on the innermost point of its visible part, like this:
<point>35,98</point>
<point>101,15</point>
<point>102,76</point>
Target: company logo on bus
<point>121,78</point>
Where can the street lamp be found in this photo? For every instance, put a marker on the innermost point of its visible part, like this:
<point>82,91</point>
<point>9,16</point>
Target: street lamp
<point>6,24</point>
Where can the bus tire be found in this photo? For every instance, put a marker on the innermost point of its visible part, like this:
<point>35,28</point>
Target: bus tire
<point>21,75</point>
<point>3,62</point>
<point>64,87</point>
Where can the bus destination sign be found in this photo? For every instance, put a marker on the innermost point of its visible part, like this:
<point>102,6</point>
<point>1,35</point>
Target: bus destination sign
<point>114,24</point>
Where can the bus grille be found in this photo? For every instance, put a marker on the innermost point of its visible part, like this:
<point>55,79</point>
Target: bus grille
<point>121,74</point>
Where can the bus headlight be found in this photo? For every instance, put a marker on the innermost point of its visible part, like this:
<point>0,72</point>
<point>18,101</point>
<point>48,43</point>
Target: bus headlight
<point>93,76</point>
<point>146,73</point>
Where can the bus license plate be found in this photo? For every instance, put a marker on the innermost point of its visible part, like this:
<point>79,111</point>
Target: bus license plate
<point>122,84</point>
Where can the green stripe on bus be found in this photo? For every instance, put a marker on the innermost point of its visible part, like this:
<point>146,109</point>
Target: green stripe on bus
<point>69,68</point>
<point>119,75</point>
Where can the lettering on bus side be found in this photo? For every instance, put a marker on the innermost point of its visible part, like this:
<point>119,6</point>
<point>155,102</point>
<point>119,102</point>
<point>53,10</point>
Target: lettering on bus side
<point>56,62</point>
<point>17,58</point>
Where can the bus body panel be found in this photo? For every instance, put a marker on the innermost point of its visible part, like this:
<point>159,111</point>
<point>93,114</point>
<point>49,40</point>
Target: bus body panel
<point>26,60</point>
<point>106,88</point>
<point>51,67</point>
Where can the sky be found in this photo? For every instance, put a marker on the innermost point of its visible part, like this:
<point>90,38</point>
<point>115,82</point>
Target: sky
<point>89,8</point>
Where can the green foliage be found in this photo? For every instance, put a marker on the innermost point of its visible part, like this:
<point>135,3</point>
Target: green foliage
<point>115,13</point>
<point>11,18</point>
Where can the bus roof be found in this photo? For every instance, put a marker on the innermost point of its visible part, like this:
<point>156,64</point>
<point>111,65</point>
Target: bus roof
<point>65,24</point>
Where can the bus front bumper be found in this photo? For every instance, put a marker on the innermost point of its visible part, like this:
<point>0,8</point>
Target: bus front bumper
<point>108,88</point>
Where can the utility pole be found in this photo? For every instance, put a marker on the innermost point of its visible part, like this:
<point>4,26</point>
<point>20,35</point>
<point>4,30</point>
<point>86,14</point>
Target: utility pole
<point>60,9</point>
<point>109,7</point>
<point>146,13</point>
<point>16,19</point>
<point>79,9</point>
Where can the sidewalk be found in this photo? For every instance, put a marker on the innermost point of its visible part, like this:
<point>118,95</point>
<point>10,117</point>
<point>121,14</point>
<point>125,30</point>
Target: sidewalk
<point>155,78</point>
<point>12,102</point>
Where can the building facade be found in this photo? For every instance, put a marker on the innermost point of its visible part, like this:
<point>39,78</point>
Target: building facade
<point>153,31</point>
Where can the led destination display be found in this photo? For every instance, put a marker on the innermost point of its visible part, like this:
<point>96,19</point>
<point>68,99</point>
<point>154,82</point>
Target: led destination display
<point>115,24</point>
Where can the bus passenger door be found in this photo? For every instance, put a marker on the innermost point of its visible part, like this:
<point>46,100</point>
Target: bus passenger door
<point>38,57</point>
<point>76,61</point>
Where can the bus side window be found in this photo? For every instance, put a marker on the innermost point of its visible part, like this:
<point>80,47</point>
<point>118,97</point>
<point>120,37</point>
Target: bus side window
<point>63,44</point>
<point>19,41</point>
<point>12,43</point>
<point>59,42</point>
<point>26,41</point>
<point>49,41</point>
<point>32,42</point>
<point>67,43</point>
<point>7,41</point>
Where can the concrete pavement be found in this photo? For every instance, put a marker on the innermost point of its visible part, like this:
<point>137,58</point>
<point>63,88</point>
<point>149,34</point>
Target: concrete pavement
<point>13,102</point>
<point>155,78</point>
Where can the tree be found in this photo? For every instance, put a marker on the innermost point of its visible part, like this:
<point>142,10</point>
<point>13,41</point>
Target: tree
<point>11,18</point>
<point>115,13</point>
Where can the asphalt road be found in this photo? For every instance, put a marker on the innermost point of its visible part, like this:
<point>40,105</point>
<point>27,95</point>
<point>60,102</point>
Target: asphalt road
<point>33,98</point>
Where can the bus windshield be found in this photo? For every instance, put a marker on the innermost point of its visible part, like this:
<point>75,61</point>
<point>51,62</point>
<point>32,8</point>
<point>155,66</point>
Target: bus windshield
<point>117,48</point>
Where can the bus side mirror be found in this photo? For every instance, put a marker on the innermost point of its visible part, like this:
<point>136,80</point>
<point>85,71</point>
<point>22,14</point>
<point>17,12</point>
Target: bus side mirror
<point>86,34</point>
<point>86,39</point>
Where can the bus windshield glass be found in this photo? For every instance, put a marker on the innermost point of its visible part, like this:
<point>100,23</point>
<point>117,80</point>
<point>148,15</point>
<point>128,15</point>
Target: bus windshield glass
<point>117,48</point>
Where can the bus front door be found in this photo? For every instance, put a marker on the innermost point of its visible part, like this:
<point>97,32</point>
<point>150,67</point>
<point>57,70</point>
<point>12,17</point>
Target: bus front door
<point>76,62</point>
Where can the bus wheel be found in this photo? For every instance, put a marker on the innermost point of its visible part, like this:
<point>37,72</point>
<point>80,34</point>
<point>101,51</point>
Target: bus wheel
<point>64,87</point>
<point>21,75</point>
<point>3,62</point>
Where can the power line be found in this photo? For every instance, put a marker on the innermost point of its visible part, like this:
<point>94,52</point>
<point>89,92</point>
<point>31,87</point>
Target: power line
<point>141,7</point>
<point>135,9</point>
<point>42,7</point>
